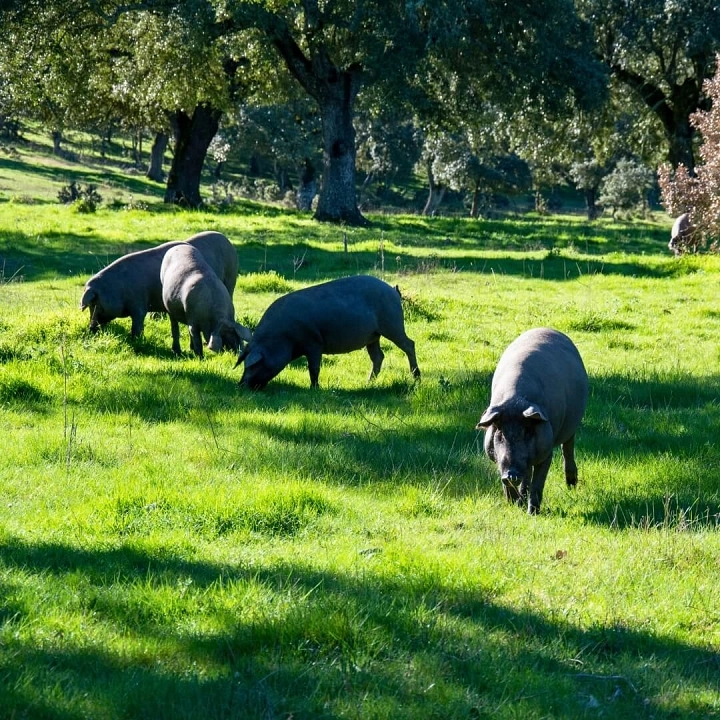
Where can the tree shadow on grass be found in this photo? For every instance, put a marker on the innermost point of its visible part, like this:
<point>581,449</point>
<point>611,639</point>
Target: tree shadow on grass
<point>528,232</point>
<point>666,423</point>
<point>136,185</point>
<point>83,255</point>
<point>407,645</point>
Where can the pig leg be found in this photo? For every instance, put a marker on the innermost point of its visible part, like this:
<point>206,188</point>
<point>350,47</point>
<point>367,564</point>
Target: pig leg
<point>196,341</point>
<point>175,330</point>
<point>376,355</point>
<point>408,347</point>
<point>314,358</point>
<point>571,471</point>
<point>138,324</point>
<point>537,485</point>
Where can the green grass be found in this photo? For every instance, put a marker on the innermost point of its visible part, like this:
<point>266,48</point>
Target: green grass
<point>172,546</point>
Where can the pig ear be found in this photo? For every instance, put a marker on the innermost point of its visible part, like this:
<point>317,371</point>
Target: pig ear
<point>243,354</point>
<point>243,332</point>
<point>252,358</point>
<point>535,413</point>
<point>89,296</point>
<point>488,417</point>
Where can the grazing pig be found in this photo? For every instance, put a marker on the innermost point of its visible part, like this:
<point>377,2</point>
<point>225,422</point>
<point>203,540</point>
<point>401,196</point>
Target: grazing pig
<point>193,294</point>
<point>680,234</point>
<point>130,286</point>
<point>538,397</point>
<point>334,317</point>
<point>220,255</point>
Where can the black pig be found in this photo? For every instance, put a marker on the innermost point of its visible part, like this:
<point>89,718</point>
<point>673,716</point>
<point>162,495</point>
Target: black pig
<point>538,397</point>
<point>334,317</point>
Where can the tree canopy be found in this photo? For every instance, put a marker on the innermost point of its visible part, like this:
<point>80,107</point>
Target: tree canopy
<point>663,50</point>
<point>538,70</point>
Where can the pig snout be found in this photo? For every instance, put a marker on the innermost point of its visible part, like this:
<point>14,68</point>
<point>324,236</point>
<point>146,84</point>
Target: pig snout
<point>515,481</point>
<point>512,486</point>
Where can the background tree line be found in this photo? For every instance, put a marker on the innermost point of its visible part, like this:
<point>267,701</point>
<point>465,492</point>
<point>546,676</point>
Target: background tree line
<point>338,98</point>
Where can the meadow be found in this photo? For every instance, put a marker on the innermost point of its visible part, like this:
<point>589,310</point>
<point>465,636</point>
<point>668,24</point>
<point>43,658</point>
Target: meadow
<point>174,546</point>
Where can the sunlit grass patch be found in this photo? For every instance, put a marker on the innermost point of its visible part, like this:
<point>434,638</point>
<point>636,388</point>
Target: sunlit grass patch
<point>173,545</point>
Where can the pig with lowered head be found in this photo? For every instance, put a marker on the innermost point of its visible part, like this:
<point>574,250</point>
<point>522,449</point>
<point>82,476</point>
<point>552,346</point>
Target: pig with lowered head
<point>538,397</point>
<point>334,317</point>
<point>193,295</point>
<point>130,286</point>
<point>680,234</point>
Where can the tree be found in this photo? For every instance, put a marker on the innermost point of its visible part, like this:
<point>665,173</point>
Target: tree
<point>663,50</point>
<point>627,186</point>
<point>173,69</point>
<point>698,194</point>
<point>45,70</point>
<point>419,52</point>
<point>587,176</point>
<point>472,162</point>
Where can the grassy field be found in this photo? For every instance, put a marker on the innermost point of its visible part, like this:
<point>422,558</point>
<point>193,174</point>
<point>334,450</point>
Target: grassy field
<point>172,546</point>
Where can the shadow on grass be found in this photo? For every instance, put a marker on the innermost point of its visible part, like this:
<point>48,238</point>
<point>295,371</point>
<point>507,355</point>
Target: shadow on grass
<point>136,184</point>
<point>399,432</point>
<point>403,645</point>
<point>290,254</point>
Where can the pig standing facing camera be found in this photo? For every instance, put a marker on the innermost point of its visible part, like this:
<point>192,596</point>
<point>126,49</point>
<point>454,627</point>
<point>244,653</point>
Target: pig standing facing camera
<point>538,398</point>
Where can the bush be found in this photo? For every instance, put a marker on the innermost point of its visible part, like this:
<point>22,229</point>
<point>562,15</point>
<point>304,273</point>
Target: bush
<point>84,199</point>
<point>697,194</point>
<point>626,187</point>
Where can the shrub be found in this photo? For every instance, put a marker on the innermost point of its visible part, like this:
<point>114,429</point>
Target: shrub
<point>697,194</point>
<point>626,187</point>
<point>85,199</point>
<point>269,282</point>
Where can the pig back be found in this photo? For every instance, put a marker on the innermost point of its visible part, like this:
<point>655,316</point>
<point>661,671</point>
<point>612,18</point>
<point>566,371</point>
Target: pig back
<point>341,315</point>
<point>190,284</point>
<point>134,279</point>
<point>543,367</point>
<point>220,255</point>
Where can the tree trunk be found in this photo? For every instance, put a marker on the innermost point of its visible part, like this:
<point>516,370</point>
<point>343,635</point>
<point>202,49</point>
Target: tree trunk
<point>474,208</point>
<point>157,155</point>
<point>338,197</point>
<point>435,194</point>
<point>591,203</point>
<point>307,188</point>
<point>335,90</point>
<point>105,140</point>
<point>192,139</point>
<point>57,137</point>
<point>679,133</point>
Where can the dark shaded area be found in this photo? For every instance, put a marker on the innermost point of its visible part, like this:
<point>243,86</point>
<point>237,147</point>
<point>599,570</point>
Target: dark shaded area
<point>137,185</point>
<point>267,662</point>
<point>83,255</point>
<point>628,418</point>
